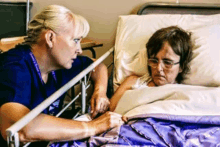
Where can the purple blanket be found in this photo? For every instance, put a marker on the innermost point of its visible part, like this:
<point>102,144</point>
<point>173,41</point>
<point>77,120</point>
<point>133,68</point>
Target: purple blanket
<point>158,130</point>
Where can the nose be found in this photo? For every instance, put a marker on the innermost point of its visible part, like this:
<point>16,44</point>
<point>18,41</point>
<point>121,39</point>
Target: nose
<point>79,49</point>
<point>159,66</point>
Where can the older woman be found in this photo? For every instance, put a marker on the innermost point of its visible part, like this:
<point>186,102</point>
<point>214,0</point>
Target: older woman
<point>169,52</point>
<point>45,62</point>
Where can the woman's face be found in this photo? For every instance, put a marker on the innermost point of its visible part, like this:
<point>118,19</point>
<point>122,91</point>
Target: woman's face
<point>66,48</point>
<point>162,75</point>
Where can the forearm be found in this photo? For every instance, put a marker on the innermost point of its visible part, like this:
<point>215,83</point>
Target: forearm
<point>126,85</point>
<point>50,128</point>
<point>100,78</point>
<point>116,97</point>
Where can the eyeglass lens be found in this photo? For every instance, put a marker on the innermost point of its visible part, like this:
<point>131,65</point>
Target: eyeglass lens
<point>165,63</point>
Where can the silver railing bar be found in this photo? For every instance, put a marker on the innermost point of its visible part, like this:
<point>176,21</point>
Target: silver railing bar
<point>88,86</point>
<point>77,114</point>
<point>71,102</point>
<point>68,105</point>
<point>27,144</point>
<point>36,111</point>
<point>83,96</point>
<point>27,14</point>
<point>110,65</point>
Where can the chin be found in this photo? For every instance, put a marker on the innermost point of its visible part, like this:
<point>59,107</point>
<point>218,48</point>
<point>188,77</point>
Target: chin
<point>67,66</point>
<point>159,83</point>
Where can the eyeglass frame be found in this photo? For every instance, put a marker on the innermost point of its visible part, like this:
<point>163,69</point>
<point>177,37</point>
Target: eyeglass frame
<point>164,66</point>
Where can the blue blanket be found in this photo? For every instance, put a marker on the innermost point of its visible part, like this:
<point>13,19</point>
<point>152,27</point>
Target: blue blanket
<point>160,130</point>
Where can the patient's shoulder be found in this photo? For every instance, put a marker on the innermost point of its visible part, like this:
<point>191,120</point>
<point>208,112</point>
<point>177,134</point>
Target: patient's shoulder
<point>132,77</point>
<point>141,81</point>
<point>129,82</point>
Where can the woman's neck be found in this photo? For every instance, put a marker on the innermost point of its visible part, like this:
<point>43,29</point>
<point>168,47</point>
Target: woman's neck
<point>43,60</point>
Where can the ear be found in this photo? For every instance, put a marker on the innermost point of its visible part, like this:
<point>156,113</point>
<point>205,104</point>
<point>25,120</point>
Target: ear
<point>50,37</point>
<point>180,70</point>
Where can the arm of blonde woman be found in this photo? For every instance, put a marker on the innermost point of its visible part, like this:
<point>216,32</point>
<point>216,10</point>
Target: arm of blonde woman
<point>125,85</point>
<point>49,128</point>
<point>99,101</point>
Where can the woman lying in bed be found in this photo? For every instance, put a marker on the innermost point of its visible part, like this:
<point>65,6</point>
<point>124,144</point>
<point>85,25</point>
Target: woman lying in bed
<point>169,52</point>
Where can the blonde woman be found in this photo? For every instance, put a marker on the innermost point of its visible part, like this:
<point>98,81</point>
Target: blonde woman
<point>47,60</point>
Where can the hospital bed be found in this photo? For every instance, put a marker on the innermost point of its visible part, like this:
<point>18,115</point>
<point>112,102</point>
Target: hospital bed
<point>174,103</point>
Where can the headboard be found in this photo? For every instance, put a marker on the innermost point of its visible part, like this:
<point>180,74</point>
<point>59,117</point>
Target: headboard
<point>178,8</point>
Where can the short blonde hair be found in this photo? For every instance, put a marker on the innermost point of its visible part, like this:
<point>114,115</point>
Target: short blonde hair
<point>57,18</point>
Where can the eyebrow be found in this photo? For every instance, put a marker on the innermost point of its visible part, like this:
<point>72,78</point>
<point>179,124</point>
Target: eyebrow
<point>162,59</point>
<point>168,59</point>
<point>78,38</point>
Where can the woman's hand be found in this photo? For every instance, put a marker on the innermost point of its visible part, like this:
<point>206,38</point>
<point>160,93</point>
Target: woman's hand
<point>106,121</point>
<point>99,103</point>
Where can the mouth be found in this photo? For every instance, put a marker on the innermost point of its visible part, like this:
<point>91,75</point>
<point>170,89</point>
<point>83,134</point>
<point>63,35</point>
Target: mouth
<point>159,76</point>
<point>73,58</point>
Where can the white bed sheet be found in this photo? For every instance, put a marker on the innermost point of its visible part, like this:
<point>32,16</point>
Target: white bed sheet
<point>176,99</point>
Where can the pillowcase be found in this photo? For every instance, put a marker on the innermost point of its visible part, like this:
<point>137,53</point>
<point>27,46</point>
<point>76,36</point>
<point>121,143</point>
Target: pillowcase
<point>131,64</point>
<point>205,65</point>
<point>134,31</point>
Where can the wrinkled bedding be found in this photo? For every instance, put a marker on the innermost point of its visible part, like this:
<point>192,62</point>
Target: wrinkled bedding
<point>175,99</point>
<point>171,115</point>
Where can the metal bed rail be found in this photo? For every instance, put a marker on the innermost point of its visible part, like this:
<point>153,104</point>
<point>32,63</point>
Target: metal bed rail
<point>12,132</point>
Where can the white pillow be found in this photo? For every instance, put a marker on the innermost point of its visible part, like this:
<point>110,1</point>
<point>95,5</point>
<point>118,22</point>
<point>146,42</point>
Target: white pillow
<point>205,66</point>
<point>134,31</point>
<point>131,64</point>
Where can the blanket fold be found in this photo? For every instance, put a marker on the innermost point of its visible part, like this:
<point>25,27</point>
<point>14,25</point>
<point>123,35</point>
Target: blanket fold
<point>174,99</point>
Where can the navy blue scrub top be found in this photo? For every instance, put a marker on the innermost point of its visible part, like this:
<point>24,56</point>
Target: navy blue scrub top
<point>20,82</point>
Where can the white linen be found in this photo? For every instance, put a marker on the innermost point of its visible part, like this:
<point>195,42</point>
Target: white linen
<point>134,31</point>
<point>84,117</point>
<point>176,99</point>
<point>205,65</point>
<point>142,81</point>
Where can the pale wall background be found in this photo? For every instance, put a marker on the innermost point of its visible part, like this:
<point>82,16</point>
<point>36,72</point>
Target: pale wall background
<point>102,15</point>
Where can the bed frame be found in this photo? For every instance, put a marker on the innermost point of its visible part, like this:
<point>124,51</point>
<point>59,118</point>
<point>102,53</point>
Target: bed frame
<point>148,8</point>
<point>179,8</point>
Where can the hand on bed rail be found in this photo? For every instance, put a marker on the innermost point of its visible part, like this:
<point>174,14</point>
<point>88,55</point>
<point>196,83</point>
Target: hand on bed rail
<point>99,104</point>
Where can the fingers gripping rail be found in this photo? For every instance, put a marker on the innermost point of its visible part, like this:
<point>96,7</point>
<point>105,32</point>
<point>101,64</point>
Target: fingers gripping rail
<point>12,132</point>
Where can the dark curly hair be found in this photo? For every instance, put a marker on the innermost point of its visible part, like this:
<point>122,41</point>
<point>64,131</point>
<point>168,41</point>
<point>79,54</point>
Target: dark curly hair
<point>181,43</point>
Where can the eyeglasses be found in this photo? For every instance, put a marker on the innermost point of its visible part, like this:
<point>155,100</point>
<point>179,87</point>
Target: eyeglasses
<point>167,64</point>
